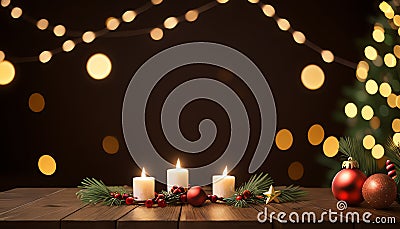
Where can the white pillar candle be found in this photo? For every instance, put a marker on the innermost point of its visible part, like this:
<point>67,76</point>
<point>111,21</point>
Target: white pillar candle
<point>223,185</point>
<point>143,187</point>
<point>178,176</point>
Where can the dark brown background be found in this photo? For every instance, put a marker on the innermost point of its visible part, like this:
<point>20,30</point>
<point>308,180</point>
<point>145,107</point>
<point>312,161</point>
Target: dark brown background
<point>80,111</point>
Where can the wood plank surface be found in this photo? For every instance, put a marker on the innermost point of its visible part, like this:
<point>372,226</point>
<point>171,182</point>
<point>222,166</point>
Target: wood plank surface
<point>142,217</point>
<point>96,216</point>
<point>20,196</point>
<point>43,213</point>
<point>219,216</point>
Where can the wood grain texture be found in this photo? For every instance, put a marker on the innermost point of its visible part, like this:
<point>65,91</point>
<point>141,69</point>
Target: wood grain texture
<point>142,217</point>
<point>43,213</point>
<point>219,215</point>
<point>97,216</point>
<point>20,196</point>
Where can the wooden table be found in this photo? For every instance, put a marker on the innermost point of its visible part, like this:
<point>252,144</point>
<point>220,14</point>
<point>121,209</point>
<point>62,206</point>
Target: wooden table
<point>59,208</point>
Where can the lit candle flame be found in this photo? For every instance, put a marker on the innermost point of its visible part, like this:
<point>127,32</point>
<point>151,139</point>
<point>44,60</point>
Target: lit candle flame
<point>178,164</point>
<point>225,171</point>
<point>143,172</point>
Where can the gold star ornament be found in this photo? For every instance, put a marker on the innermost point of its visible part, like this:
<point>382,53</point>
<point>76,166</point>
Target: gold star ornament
<point>272,195</point>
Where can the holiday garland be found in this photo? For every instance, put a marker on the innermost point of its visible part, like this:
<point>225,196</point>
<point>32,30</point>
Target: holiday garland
<point>259,189</point>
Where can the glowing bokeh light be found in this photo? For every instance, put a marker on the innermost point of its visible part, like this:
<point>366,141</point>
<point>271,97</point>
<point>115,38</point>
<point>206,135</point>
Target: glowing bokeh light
<point>283,24</point>
<point>99,66</point>
<point>378,151</point>
<point>268,10</point>
<point>368,142</point>
<point>327,56</point>
<point>316,134</point>
<point>68,45</point>
<point>370,52</point>
<point>385,90</point>
<point>7,72</point>
<point>42,24</point>
<point>299,37</point>
<point>129,16</point>
<point>367,112</point>
<point>284,139</point>
<point>110,144</point>
<point>45,56</point>
<point>47,165</point>
<point>312,77</point>
<point>350,110</point>
<point>396,125</point>
<point>112,23</point>
<point>390,60</point>
<point>192,15</point>
<point>170,22</point>
<point>371,87</point>
<point>36,102</point>
<point>331,146</point>
<point>16,12</point>
<point>59,30</point>
<point>88,36</point>
<point>295,170</point>
<point>156,34</point>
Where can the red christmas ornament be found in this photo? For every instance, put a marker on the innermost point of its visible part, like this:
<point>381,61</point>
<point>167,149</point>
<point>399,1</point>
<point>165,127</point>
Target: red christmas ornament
<point>379,190</point>
<point>196,196</point>
<point>390,168</point>
<point>246,194</point>
<point>347,184</point>
<point>161,203</point>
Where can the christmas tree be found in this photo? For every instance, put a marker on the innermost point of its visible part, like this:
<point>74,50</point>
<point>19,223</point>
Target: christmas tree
<point>371,106</point>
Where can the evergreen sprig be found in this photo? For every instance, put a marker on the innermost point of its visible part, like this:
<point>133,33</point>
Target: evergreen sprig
<point>95,191</point>
<point>258,185</point>
<point>352,147</point>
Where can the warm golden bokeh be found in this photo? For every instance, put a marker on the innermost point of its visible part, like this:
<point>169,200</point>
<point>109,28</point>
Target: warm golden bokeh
<point>47,165</point>
<point>299,37</point>
<point>112,23</point>
<point>99,66</point>
<point>284,139</point>
<point>312,77</point>
<point>36,102</point>
<point>316,134</point>
<point>378,151</point>
<point>45,56</point>
<point>350,110</point>
<point>7,72</point>
<point>368,142</point>
<point>331,146</point>
<point>396,125</point>
<point>156,34</point>
<point>59,30</point>
<point>191,15</point>
<point>170,22</point>
<point>42,24</point>
<point>283,24</point>
<point>110,144</point>
<point>367,112</point>
<point>296,170</point>
<point>88,36</point>
<point>268,10</point>
<point>129,16</point>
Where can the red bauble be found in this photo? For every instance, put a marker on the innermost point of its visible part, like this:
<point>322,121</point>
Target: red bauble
<point>347,186</point>
<point>380,191</point>
<point>196,196</point>
<point>129,200</point>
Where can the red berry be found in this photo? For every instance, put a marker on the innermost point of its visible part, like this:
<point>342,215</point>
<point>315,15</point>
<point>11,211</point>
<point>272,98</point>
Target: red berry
<point>161,203</point>
<point>238,197</point>
<point>176,191</point>
<point>161,196</point>
<point>129,200</point>
<point>246,194</point>
<point>149,203</point>
<point>388,162</point>
<point>181,189</point>
<point>183,198</point>
<point>155,194</point>
<point>117,196</point>
<point>112,194</point>
<point>209,197</point>
<point>214,198</point>
<point>174,187</point>
<point>125,195</point>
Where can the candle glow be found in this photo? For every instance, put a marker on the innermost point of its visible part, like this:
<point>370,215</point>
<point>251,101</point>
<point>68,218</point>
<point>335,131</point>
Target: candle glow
<point>223,185</point>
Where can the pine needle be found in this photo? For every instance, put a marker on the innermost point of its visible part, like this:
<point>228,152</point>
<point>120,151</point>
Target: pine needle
<point>352,147</point>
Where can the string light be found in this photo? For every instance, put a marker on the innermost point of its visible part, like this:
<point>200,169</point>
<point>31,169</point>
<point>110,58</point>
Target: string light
<point>283,24</point>
<point>350,110</point>
<point>299,37</point>
<point>254,1</point>
<point>327,56</point>
<point>222,1</point>
<point>156,34</point>
<point>45,56</point>
<point>396,20</point>
<point>129,16</point>
<point>88,36</point>
<point>378,35</point>
<point>112,23</point>
<point>367,112</point>
<point>370,52</point>
<point>368,142</point>
<point>268,10</point>
<point>59,30</point>
<point>7,72</point>
<point>16,12</point>
<point>396,51</point>
<point>68,46</point>
<point>385,90</point>
<point>42,24</point>
<point>5,3</point>
<point>170,22</point>
<point>191,15</point>
<point>371,87</point>
<point>156,2</point>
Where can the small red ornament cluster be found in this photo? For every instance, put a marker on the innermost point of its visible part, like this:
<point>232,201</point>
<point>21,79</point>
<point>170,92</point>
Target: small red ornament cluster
<point>353,186</point>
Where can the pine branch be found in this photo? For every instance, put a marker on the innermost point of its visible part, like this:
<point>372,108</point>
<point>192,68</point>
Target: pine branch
<point>94,192</point>
<point>291,193</point>
<point>257,185</point>
<point>352,147</point>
